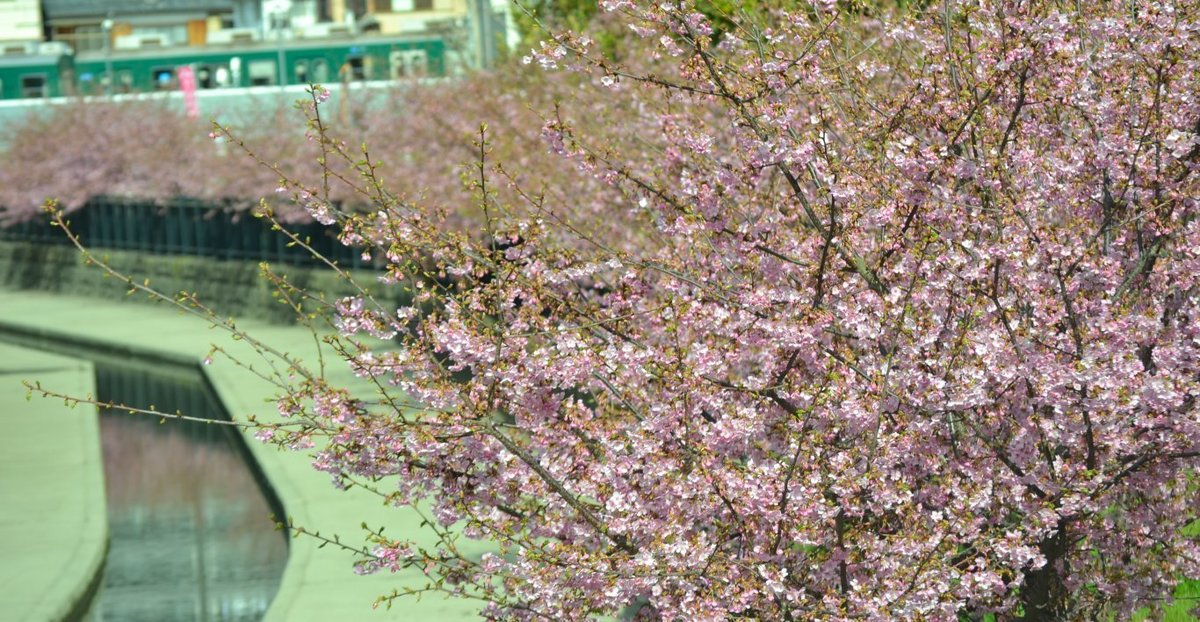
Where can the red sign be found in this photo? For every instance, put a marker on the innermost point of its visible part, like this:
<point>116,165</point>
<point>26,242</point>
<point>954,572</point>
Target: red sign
<point>187,84</point>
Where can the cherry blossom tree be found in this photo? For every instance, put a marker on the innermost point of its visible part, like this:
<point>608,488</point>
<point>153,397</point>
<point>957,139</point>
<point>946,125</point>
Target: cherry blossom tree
<point>904,324</point>
<point>136,149</point>
<point>151,151</point>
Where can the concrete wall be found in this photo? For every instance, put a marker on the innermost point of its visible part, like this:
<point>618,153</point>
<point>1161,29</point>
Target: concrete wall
<point>231,287</point>
<point>53,527</point>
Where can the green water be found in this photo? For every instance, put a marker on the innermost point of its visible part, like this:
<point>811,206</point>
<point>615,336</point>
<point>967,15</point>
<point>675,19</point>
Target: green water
<point>191,538</point>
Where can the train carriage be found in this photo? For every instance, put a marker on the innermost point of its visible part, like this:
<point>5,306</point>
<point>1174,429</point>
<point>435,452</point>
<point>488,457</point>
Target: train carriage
<point>55,72</point>
<point>35,70</point>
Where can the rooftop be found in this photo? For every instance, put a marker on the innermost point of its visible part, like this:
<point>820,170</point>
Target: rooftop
<point>68,9</point>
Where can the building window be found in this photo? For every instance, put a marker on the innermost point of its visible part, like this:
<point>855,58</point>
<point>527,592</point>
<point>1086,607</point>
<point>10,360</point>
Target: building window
<point>301,70</point>
<point>402,6</point>
<point>88,39</point>
<point>33,85</point>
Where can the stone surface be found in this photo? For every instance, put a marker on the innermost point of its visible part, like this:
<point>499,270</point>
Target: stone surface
<point>318,583</point>
<point>53,530</point>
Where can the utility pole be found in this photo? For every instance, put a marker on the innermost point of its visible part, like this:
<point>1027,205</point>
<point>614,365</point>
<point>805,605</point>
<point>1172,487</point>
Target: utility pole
<point>279,47</point>
<point>278,10</point>
<point>107,27</point>
<point>485,34</point>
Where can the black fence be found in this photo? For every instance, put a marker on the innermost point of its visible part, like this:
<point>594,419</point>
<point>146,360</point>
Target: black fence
<point>186,227</point>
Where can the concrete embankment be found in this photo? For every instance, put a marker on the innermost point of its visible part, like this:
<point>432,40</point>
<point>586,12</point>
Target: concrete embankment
<point>232,287</point>
<point>318,583</point>
<point>53,527</point>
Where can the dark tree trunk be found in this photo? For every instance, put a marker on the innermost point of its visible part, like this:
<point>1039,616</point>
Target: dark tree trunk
<point>1043,595</point>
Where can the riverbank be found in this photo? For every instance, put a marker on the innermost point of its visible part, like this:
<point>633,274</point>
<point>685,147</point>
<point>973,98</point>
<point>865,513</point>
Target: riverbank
<point>53,528</point>
<point>318,583</point>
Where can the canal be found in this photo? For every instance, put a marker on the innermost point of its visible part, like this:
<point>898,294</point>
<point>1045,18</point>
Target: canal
<point>190,524</point>
<point>191,530</point>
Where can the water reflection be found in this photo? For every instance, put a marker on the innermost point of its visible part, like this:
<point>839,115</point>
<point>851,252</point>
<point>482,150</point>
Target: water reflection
<point>190,537</point>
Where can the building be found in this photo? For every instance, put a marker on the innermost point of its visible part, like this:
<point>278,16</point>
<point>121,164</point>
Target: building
<point>20,21</point>
<point>475,31</point>
<point>135,24</point>
<point>480,29</point>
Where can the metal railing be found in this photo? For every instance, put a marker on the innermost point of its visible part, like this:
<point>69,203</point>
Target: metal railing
<point>187,227</point>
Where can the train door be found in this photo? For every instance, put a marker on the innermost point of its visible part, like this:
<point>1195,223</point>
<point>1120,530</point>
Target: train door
<point>124,81</point>
<point>235,71</point>
<point>320,71</point>
<point>66,76</point>
<point>354,69</point>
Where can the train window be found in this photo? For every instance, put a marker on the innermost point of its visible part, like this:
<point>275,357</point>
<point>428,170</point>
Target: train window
<point>212,76</point>
<point>320,71</point>
<point>262,72</point>
<point>164,78</point>
<point>396,64</point>
<point>416,63</point>
<point>124,81</point>
<point>66,81</point>
<point>354,69</point>
<point>235,71</point>
<point>408,64</point>
<point>301,69</point>
<point>33,85</point>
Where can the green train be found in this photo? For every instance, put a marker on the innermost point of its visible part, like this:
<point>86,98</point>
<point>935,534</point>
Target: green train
<point>34,70</point>
<point>45,70</point>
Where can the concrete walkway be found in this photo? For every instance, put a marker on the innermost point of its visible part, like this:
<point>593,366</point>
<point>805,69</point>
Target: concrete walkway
<point>53,529</point>
<point>318,584</point>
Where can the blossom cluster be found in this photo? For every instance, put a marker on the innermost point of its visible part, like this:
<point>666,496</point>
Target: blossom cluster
<point>906,324</point>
